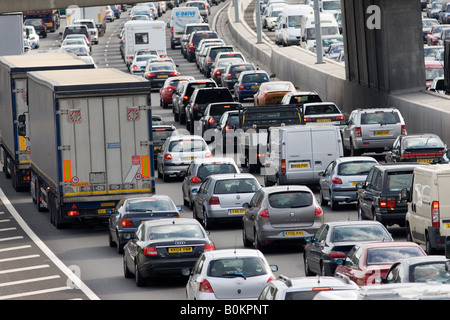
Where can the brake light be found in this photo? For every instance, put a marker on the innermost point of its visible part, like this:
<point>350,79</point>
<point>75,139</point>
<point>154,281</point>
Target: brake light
<point>264,213</point>
<point>150,251</point>
<point>435,214</point>
<point>167,156</point>
<point>272,277</point>
<point>229,76</point>
<point>218,73</point>
<point>241,87</point>
<point>195,107</point>
<point>191,46</point>
<point>214,200</point>
<point>321,288</point>
<point>73,213</point>
<point>403,133</point>
<point>127,222</point>
<point>196,180</point>
<point>171,32</point>
<point>358,132</point>
<point>151,74</point>
<point>337,255</point>
<point>174,74</point>
<point>135,67</point>
<point>318,211</point>
<point>211,120</point>
<point>185,97</point>
<point>283,165</point>
<point>336,180</point>
<point>205,286</point>
<point>208,154</point>
<point>209,247</point>
<point>228,127</point>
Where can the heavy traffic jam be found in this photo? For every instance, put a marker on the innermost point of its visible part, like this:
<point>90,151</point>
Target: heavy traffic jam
<point>248,148</point>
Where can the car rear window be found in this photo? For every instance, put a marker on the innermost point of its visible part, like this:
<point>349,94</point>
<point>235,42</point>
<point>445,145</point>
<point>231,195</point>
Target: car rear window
<point>291,199</point>
<point>162,134</point>
<point>355,168</point>
<point>278,87</point>
<point>321,109</point>
<point>232,267</point>
<point>255,77</point>
<point>380,117</point>
<point>146,205</point>
<point>207,96</point>
<point>431,272</point>
<point>206,170</point>
<point>396,181</point>
<point>213,52</point>
<point>422,143</point>
<point>192,86</point>
<point>218,110</point>
<point>174,231</point>
<point>190,29</point>
<point>359,233</point>
<point>378,256</point>
<point>239,68</point>
<point>305,99</point>
<point>187,145</point>
<point>203,35</point>
<point>242,185</point>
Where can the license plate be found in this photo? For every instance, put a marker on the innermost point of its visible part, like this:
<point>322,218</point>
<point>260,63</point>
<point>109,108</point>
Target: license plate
<point>157,147</point>
<point>255,87</point>
<point>236,211</point>
<point>425,160</point>
<point>323,120</point>
<point>293,233</point>
<point>299,165</point>
<point>162,76</point>
<point>188,158</point>
<point>354,183</point>
<point>447,225</point>
<point>382,133</point>
<point>180,250</point>
<point>105,211</point>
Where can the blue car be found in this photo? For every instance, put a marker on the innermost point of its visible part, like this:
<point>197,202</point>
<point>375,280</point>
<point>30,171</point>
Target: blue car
<point>248,83</point>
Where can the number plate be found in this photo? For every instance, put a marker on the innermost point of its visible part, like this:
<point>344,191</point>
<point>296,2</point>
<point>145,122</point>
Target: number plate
<point>382,133</point>
<point>157,147</point>
<point>162,76</point>
<point>425,160</point>
<point>255,87</point>
<point>323,120</point>
<point>105,211</point>
<point>354,183</point>
<point>447,225</point>
<point>180,250</point>
<point>299,165</point>
<point>236,211</point>
<point>188,158</point>
<point>293,233</point>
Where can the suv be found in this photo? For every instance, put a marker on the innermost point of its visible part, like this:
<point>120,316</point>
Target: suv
<point>38,25</point>
<point>214,112</point>
<point>379,196</point>
<point>232,71</point>
<point>200,99</point>
<point>194,39</point>
<point>372,130</point>
<point>183,94</point>
<point>210,56</point>
<point>92,29</point>
<point>188,29</point>
<point>75,29</point>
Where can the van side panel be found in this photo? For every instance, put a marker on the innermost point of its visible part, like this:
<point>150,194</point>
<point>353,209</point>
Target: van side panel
<point>444,204</point>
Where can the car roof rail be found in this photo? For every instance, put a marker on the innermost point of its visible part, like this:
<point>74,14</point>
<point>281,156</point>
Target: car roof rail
<point>285,279</point>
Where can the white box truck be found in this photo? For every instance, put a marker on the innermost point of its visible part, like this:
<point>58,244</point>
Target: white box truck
<point>91,135</point>
<point>296,154</point>
<point>97,14</point>
<point>11,34</point>
<point>180,17</point>
<point>15,149</point>
<point>328,25</point>
<point>145,35</point>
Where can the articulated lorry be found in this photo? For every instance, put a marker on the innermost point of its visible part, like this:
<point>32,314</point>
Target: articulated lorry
<point>15,149</point>
<point>91,136</point>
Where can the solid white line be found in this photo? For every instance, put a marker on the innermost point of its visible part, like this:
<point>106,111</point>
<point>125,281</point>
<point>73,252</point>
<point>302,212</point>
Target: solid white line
<point>8,229</point>
<point>13,283</point>
<point>15,248</point>
<point>31,293</point>
<point>11,238</point>
<point>72,276</point>
<point>42,266</point>
<point>20,258</point>
<point>6,220</point>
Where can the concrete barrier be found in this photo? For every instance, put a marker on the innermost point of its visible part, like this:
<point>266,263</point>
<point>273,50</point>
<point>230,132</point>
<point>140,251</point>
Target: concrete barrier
<point>424,112</point>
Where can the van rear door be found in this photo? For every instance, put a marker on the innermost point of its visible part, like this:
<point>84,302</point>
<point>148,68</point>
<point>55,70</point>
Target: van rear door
<point>325,148</point>
<point>299,157</point>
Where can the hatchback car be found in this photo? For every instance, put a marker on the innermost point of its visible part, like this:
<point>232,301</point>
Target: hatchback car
<point>370,260</point>
<point>210,57</point>
<point>333,241</point>
<point>372,130</point>
<point>160,134</point>
<point>427,148</point>
<point>212,115</point>
<point>218,68</point>
<point>338,183</point>
<point>301,97</point>
<point>75,42</point>
<point>75,29</point>
<point>38,25</point>
<point>199,170</point>
<point>166,91</point>
<point>164,247</point>
<point>157,73</point>
<point>194,39</point>
<point>270,93</point>
<point>286,214</point>
<point>303,288</point>
<point>222,197</point>
<point>131,211</point>
<point>139,62</point>
<point>177,153</point>
<point>229,274</point>
<point>231,73</point>
<point>225,131</point>
<point>248,83</point>
<point>32,36</point>
<point>323,112</point>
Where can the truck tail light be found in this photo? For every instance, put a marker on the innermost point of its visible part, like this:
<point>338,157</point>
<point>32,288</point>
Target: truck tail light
<point>435,214</point>
<point>283,165</point>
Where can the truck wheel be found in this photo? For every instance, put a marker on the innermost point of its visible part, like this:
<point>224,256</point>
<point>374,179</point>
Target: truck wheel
<point>428,246</point>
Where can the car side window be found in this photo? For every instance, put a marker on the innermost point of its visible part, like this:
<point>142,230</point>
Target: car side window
<point>376,181</point>
<point>330,168</point>
<point>199,265</point>
<point>268,293</point>
<point>351,119</point>
<point>394,275</point>
<point>256,199</point>
<point>396,144</point>
<point>323,234</point>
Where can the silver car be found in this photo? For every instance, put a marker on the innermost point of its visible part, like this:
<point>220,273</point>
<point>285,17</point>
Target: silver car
<point>372,130</point>
<point>222,196</point>
<point>199,170</point>
<point>338,183</point>
<point>280,214</point>
<point>177,153</point>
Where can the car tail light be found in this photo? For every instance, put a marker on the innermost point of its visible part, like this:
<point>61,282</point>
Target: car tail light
<point>264,213</point>
<point>174,74</point>
<point>205,286</point>
<point>435,214</point>
<point>283,165</point>
<point>167,156</point>
<point>228,127</point>
<point>403,132</point>
<point>211,120</point>
<point>241,87</point>
<point>272,277</point>
<point>358,132</point>
<point>337,255</point>
<point>171,32</point>
<point>318,211</point>
<point>209,247</point>
<point>321,288</point>
<point>135,66</point>
<point>185,97</point>
<point>195,107</point>
<point>336,180</point>
<point>191,46</point>
<point>151,74</point>
<point>214,201</point>
<point>229,76</point>
<point>73,213</point>
<point>196,180</point>
<point>208,154</point>
<point>127,222</point>
<point>308,119</point>
<point>150,251</point>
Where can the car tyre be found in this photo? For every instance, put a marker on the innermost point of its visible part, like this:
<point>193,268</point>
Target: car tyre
<point>247,243</point>
<point>126,272</point>
<point>137,276</point>
<point>308,271</point>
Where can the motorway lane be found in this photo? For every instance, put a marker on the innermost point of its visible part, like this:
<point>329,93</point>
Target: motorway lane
<point>85,245</point>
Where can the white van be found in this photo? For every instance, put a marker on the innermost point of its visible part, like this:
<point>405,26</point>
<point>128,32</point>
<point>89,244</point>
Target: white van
<point>145,35</point>
<point>296,154</point>
<point>328,25</point>
<point>271,15</point>
<point>180,17</point>
<point>428,216</point>
<point>290,23</point>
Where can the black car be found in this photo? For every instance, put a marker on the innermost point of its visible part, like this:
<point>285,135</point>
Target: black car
<point>232,71</point>
<point>38,25</point>
<point>164,247</point>
<point>379,196</point>
<point>158,72</point>
<point>427,148</point>
<point>194,39</point>
<point>214,112</point>
<point>160,134</point>
<point>131,211</point>
<point>200,99</point>
<point>75,29</point>
<point>188,29</point>
<point>210,57</point>
<point>334,240</point>
<point>225,131</point>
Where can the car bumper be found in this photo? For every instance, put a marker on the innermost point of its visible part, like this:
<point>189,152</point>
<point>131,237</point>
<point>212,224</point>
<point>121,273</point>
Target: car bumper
<point>345,195</point>
<point>269,234</point>
<point>374,145</point>
<point>152,268</point>
<point>217,212</point>
<point>157,83</point>
<point>172,169</point>
<point>390,217</point>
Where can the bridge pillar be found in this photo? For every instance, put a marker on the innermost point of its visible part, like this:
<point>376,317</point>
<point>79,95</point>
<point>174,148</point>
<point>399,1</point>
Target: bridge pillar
<point>383,44</point>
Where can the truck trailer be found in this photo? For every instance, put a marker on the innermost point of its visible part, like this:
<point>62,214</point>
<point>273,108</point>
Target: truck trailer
<point>15,149</point>
<point>91,135</point>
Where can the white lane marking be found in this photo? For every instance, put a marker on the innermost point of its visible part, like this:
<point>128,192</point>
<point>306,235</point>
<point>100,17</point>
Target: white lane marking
<point>41,266</point>
<point>13,283</point>
<point>20,258</point>
<point>31,293</point>
<point>15,248</point>
<point>11,238</point>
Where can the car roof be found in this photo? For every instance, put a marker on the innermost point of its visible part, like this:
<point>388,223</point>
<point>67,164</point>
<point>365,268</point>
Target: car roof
<point>273,189</point>
<point>356,158</point>
<point>308,283</point>
<point>378,244</point>
<point>159,222</point>
<point>398,166</point>
<point>353,223</point>
<point>213,160</point>
<point>149,196</point>
<point>186,136</point>
<point>163,126</point>
<point>231,253</point>
<point>423,259</point>
<point>223,176</point>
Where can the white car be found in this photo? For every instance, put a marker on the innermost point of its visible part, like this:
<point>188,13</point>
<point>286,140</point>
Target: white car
<point>75,42</point>
<point>139,62</point>
<point>229,274</point>
<point>32,36</point>
<point>79,50</point>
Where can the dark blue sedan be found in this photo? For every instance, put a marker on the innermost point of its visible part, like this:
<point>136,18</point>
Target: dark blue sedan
<point>248,83</point>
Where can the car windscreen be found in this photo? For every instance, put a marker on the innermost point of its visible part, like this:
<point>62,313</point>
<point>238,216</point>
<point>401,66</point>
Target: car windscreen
<point>291,199</point>
<point>379,117</point>
<point>321,109</point>
<point>377,256</point>
<point>355,168</point>
<point>205,170</point>
<point>146,205</point>
<point>359,233</point>
<point>242,185</point>
<point>274,117</point>
<point>174,231</point>
<point>162,134</point>
<point>187,145</point>
<point>237,266</point>
<point>396,181</point>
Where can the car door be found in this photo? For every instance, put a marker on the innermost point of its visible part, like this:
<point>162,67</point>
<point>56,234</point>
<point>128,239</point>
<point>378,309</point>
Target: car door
<point>325,180</point>
<point>251,213</point>
<point>201,197</point>
<point>316,249</point>
<point>346,131</point>
<point>187,181</point>
<point>193,283</point>
<point>371,193</point>
<point>350,267</point>
<point>394,154</point>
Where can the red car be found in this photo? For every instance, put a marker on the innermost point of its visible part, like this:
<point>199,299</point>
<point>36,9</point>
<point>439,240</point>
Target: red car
<point>166,91</point>
<point>433,70</point>
<point>435,33</point>
<point>369,261</point>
